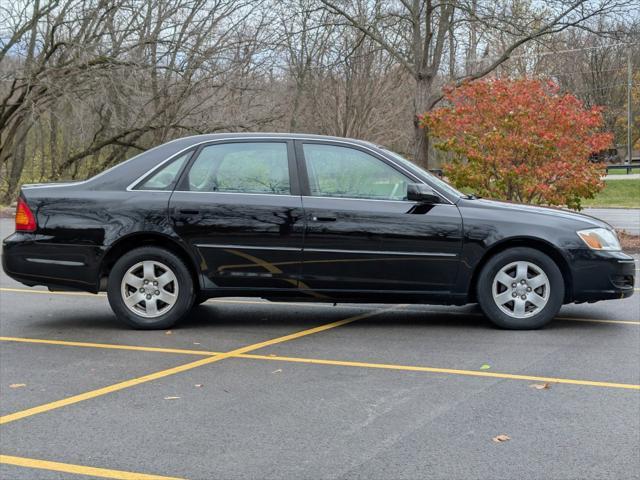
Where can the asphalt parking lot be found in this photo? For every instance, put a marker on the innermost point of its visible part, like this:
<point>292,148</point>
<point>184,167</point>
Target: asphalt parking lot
<point>250,389</point>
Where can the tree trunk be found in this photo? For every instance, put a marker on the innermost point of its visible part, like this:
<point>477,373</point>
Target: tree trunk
<point>421,105</point>
<point>18,144</point>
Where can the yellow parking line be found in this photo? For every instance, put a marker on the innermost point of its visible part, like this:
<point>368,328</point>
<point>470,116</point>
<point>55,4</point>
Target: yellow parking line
<point>317,361</point>
<point>79,469</point>
<point>103,391</point>
<point>450,371</point>
<point>108,346</point>
<point>181,368</point>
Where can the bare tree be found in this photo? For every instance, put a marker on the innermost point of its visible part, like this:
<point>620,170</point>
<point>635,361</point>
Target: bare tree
<point>126,75</point>
<point>416,33</point>
<point>85,84</point>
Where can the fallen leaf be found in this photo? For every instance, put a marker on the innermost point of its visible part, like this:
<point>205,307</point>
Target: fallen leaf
<point>198,385</point>
<point>541,386</point>
<point>196,343</point>
<point>501,438</point>
<point>171,398</point>
<point>277,371</point>
<point>485,367</point>
<point>17,385</point>
<point>168,332</point>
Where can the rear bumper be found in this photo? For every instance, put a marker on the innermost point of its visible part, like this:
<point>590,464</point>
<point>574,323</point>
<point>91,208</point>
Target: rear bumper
<point>33,260</point>
<point>601,275</point>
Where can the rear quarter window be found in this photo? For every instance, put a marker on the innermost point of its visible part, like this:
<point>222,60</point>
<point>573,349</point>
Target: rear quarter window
<point>167,176</point>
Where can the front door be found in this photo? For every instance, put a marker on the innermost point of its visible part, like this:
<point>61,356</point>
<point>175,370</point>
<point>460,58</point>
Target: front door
<point>363,235</point>
<point>237,206</point>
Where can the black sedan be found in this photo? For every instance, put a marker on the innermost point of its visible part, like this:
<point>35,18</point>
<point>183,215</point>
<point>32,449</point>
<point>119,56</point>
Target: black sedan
<point>303,218</point>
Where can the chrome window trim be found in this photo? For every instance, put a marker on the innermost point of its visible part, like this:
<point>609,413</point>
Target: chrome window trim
<point>375,155</point>
<point>225,193</point>
<point>408,202</point>
<point>195,145</point>
<point>276,140</point>
<point>283,195</point>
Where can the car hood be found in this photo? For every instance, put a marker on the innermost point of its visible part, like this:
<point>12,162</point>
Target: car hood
<point>559,213</point>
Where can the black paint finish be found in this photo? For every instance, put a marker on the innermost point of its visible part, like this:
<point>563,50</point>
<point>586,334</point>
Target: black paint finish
<point>298,246</point>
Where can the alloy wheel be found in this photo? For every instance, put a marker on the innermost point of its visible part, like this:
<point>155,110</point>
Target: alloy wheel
<point>521,289</point>
<point>149,289</point>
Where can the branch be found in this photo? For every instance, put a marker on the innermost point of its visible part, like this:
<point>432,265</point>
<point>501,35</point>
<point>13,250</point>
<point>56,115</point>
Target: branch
<point>373,34</point>
<point>544,30</point>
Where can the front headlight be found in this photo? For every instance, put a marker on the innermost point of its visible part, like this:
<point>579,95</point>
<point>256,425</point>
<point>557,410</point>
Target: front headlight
<point>599,239</point>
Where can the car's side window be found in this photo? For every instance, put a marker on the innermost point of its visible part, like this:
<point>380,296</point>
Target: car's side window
<point>165,178</point>
<point>258,167</point>
<point>336,171</point>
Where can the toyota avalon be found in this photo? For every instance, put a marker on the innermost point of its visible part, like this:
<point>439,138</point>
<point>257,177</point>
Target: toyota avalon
<point>303,218</point>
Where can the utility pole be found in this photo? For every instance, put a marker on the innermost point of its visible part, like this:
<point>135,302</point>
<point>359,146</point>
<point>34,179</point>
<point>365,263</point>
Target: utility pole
<point>629,113</point>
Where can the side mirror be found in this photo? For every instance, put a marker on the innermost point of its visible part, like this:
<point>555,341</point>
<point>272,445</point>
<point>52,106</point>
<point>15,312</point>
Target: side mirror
<point>419,192</point>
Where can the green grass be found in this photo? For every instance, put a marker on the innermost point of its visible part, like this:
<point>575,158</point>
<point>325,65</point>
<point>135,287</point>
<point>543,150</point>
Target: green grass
<point>617,193</point>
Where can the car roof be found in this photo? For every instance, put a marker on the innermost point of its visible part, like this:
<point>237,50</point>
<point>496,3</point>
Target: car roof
<point>122,174</point>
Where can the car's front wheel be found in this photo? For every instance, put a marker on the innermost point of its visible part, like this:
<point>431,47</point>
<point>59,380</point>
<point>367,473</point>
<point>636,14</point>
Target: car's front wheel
<point>520,288</point>
<point>150,288</point>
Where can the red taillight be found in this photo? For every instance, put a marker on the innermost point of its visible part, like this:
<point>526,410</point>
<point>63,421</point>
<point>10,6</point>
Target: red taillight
<point>25,221</point>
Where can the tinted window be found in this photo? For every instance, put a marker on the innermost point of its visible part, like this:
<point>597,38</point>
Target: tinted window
<point>241,168</point>
<point>165,178</point>
<point>347,172</point>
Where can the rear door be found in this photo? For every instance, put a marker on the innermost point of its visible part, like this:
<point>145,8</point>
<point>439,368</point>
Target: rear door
<point>363,235</point>
<point>239,207</point>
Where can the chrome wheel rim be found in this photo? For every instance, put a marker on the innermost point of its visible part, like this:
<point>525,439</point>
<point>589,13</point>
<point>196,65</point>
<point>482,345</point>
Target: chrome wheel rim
<point>149,289</point>
<point>521,289</point>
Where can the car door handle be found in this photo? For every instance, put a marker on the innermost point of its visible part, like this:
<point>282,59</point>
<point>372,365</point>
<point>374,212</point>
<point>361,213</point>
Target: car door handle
<point>318,218</point>
<point>190,212</point>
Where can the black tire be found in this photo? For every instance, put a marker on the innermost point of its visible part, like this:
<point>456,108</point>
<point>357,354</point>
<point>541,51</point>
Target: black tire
<point>536,317</point>
<point>183,282</point>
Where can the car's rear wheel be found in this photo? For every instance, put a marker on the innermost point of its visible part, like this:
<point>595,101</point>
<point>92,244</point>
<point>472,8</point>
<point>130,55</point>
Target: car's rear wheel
<point>520,288</point>
<point>150,288</point>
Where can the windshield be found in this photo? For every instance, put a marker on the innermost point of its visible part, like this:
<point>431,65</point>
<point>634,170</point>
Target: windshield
<point>441,184</point>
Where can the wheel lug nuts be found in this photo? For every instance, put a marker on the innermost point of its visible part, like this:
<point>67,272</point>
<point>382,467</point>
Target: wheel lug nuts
<point>522,282</point>
<point>524,297</point>
<point>514,294</point>
<point>157,292</point>
<point>141,290</point>
<point>513,285</point>
<point>148,297</point>
<point>528,289</point>
<point>146,282</point>
<point>155,283</point>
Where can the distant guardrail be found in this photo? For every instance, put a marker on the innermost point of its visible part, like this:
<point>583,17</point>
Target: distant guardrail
<point>627,167</point>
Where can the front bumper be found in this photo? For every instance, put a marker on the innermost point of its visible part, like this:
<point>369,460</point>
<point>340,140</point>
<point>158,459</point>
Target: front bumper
<point>601,275</point>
